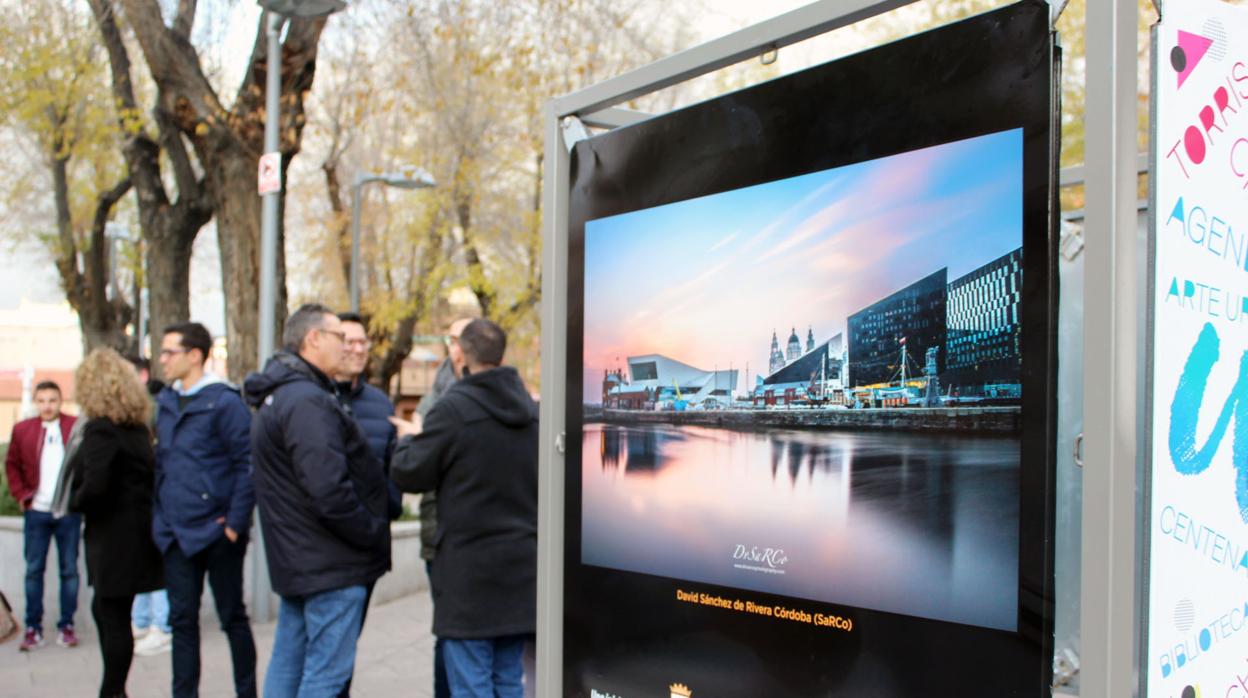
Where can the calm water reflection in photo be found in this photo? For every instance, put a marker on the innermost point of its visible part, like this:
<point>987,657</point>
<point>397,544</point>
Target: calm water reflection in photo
<point>917,524</point>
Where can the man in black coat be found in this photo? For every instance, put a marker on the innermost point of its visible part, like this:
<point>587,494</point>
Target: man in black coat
<point>442,382</point>
<point>322,497</point>
<point>477,449</point>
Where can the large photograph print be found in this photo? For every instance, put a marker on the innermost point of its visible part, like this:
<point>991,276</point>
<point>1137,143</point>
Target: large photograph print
<point>812,386</point>
<point>810,405</point>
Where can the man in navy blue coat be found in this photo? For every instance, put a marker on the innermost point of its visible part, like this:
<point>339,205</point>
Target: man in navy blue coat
<point>371,410</point>
<point>204,501</point>
<point>370,407</point>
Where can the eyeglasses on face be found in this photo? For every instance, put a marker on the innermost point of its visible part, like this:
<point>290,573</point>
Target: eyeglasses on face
<point>342,336</point>
<point>359,343</point>
<point>171,352</point>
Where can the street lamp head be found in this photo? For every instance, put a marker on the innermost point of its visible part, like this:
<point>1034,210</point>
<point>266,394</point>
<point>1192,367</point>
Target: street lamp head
<point>409,178</point>
<point>117,231</point>
<point>303,8</point>
<point>405,178</point>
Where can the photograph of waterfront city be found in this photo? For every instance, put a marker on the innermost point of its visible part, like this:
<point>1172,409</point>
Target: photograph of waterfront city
<point>812,386</point>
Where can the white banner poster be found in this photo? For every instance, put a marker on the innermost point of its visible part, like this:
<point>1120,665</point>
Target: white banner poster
<point>1197,636</point>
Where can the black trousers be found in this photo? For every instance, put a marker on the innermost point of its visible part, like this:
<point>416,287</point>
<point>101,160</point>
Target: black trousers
<point>112,621</point>
<point>222,562</point>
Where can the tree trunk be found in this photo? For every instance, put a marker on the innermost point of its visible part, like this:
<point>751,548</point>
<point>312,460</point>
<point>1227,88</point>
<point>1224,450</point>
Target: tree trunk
<point>168,261</point>
<point>341,223</point>
<point>400,344</point>
<point>228,143</point>
<point>392,361</point>
<point>232,183</point>
<point>85,281</point>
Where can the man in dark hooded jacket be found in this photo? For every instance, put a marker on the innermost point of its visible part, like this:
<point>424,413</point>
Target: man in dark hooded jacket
<point>477,449</point>
<point>322,498</point>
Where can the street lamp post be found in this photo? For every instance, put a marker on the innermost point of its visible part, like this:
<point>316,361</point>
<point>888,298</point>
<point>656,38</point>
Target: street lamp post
<point>279,11</point>
<point>407,178</point>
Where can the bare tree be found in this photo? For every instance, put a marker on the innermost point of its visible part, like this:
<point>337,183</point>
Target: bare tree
<point>51,92</point>
<point>228,142</point>
<point>168,227</point>
<point>463,101</point>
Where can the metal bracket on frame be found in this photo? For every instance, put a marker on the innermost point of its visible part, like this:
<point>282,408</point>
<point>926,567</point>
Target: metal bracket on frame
<point>573,131</point>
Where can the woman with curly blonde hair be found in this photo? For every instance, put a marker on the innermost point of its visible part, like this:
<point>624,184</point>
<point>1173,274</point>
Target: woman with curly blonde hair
<point>113,471</point>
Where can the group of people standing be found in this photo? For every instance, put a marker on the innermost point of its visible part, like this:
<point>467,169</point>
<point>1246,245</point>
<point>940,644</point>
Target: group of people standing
<point>319,453</point>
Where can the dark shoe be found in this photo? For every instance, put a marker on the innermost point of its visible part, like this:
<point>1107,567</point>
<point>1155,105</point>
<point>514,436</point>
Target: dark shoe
<point>32,641</point>
<point>66,637</point>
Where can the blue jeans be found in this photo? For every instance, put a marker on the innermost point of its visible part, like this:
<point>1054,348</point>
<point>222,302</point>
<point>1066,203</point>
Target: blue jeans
<point>151,610</point>
<point>491,668</point>
<point>314,648</point>
<point>39,530</point>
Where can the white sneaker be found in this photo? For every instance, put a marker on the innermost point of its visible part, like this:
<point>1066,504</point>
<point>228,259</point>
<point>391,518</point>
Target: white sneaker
<point>155,642</point>
<point>138,632</point>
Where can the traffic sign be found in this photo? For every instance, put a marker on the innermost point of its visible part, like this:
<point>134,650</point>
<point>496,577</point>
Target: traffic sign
<point>270,175</point>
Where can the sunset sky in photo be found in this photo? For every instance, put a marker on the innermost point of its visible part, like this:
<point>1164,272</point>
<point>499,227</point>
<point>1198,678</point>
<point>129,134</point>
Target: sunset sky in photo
<point>706,281</point>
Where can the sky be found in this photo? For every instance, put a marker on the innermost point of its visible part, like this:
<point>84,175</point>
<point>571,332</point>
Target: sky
<point>28,272</point>
<point>706,281</point>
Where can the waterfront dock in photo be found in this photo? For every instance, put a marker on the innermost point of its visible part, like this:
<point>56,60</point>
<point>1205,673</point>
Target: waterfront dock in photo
<point>986,420</point>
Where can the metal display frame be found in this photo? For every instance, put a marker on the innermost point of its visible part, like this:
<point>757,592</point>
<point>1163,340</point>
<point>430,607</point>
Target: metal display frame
<point>1112,340</point>
<point>1110,651</point>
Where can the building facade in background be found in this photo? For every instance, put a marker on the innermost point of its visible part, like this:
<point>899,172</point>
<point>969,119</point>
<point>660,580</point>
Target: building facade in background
<point>38,341</point>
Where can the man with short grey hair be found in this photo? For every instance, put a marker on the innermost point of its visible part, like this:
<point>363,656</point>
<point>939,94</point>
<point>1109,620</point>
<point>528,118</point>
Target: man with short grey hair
<point>322,499</point>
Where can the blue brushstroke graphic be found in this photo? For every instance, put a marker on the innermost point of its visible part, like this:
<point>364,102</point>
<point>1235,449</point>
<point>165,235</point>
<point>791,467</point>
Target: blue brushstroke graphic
<point>1185,415</point>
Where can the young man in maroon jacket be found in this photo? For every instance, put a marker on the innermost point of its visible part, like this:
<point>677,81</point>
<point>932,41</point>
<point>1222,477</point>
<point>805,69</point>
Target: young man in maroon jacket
<point>33,465</point>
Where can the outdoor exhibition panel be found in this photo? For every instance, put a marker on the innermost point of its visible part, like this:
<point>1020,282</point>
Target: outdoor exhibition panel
<point>1197,526</point>
<point>810,364</point>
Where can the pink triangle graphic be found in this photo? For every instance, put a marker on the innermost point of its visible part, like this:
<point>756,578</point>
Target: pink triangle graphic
<point>1195,47</point>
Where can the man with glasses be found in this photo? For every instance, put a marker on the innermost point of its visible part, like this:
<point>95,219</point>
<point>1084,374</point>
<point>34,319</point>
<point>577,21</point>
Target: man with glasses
<point>203,504</point>
<point>442,382</point>
<point>371,409</point>
<point>323,500</point>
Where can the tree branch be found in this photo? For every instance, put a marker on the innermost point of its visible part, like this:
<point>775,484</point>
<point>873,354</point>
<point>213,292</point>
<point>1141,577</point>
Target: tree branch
<point>477,279</point>
<point>185,19</point>
<point>67,248</point>
<point>141,153</point>
<point>183,173</point>
<point>175,67</point>
<point>118,57</point>
<point>97,275</point>
<point>298,62</point>
<point>340,226</point>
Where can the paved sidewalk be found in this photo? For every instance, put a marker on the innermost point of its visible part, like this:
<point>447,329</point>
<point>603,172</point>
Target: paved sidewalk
<point>394,658</point>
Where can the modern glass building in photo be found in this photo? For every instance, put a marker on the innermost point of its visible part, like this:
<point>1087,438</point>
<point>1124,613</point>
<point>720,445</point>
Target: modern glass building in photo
<point>983,325</point>
<point>913,317</point>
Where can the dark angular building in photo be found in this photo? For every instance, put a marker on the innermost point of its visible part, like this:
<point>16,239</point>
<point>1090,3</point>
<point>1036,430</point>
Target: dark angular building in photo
<point>983,325</point>
<point>914,317</point>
